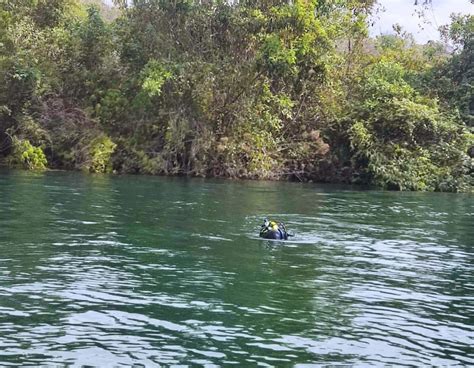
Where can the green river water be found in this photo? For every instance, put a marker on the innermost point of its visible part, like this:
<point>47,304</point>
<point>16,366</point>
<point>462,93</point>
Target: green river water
<point>150,271</point>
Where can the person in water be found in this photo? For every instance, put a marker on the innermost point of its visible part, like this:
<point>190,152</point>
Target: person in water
<point>272,230</point>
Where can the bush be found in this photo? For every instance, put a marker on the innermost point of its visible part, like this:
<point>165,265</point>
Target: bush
<point>27,156</point>
<point>403,141</point>
<point>100,151</point>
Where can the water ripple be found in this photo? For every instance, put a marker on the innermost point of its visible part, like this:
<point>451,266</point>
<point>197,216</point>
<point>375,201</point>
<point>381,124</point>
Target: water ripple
<point>157,271</point>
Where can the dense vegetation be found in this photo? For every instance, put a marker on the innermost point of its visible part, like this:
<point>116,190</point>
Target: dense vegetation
<point>254,89</point>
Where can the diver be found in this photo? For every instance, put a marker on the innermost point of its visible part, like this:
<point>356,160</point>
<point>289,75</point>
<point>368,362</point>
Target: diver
<point>272,230</point>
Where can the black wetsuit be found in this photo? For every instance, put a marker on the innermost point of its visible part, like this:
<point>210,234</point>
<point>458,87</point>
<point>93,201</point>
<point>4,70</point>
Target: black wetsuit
<point>279,234</point>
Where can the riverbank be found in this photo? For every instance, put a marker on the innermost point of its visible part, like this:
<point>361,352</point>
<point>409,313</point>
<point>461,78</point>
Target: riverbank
<point>255,90</point>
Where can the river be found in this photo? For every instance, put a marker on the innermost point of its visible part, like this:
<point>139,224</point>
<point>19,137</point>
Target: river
<point>149,271</point>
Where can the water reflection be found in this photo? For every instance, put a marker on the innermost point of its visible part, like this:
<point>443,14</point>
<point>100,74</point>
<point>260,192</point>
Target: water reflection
<point>150,271</point>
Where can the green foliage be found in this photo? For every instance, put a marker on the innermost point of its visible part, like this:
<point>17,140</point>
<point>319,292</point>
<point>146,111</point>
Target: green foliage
<point>100,151</point>
<point>27,156</point>
<point>254,89</point>
<point>401,140</point>
<point>454,79</point>
<point>94,38</point>
<point>460,32</point>
<point>276,57</point>
<point>154,76</point>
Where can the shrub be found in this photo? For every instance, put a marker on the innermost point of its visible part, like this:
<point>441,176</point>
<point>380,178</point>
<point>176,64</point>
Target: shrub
<point>27,156</point>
